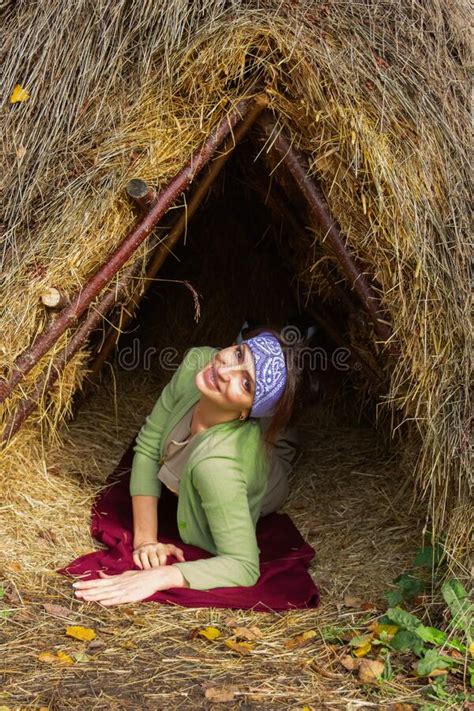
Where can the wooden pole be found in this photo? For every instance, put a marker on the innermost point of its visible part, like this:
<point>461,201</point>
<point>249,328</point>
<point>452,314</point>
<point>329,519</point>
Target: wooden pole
<point>164,249</point>
<point>320,212</point>
<point>141,193</point>
<point>70,315</point>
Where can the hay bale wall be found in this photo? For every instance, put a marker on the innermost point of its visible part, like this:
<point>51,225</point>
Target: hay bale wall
<point>373,93</point>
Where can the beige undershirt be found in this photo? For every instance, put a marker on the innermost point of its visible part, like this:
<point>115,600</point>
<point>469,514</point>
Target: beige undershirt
<point>179,444</point>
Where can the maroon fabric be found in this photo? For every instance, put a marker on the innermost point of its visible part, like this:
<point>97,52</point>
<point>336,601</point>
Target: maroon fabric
<point>284,581</point>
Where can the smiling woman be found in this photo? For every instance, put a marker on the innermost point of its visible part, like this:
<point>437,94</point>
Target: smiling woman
<point>216,438</point>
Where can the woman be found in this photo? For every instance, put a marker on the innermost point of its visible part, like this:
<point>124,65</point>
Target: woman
<point>202,440</point>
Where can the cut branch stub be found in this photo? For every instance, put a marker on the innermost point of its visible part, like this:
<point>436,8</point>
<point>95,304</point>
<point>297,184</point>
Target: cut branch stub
<point>53,299</point>
<point>70,315</point>
<point>141,193</point>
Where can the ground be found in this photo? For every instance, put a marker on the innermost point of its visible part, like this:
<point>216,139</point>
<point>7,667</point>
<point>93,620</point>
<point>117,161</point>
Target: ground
<point>347,498</point>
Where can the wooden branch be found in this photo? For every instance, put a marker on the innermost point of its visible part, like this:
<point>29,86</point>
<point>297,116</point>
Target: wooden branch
<point>70,315</point>
<point>164,249</point>
<point>52,372</point>
<point>332,233</point>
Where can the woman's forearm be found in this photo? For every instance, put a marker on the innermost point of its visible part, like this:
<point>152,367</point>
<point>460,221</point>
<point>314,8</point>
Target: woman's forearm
<point>145,519</point>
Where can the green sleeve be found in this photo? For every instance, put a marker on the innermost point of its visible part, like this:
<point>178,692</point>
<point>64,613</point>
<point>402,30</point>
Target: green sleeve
<point>146,461</point>
<point>223,490</point>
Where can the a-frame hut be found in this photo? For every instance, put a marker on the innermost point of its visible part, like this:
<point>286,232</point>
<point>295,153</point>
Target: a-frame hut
<point>171,169</point>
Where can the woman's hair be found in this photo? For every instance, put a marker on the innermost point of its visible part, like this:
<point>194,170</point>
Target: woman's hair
<point>301,386</point>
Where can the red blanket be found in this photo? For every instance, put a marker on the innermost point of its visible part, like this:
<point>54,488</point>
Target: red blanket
<point>284,581</point>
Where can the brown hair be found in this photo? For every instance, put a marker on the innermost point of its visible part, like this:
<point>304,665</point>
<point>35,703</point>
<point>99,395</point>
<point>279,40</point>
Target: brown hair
<point>301,384</point>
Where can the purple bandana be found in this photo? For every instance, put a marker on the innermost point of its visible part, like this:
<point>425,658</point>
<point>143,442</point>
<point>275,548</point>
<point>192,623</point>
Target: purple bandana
<point>270,373</point>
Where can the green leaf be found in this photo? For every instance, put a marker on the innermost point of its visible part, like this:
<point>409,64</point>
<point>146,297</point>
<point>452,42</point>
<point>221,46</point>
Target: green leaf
<point>429,557</point>
<point>431,635</point>
<point>402,618</point>
<point>2,592</point>
<point>459,605</point>
<point>432,660</point>
<point>471,679</point>
<point>410,585</point>
<point>394,597</point>
<point>360,640</point>
<point>406,641</point>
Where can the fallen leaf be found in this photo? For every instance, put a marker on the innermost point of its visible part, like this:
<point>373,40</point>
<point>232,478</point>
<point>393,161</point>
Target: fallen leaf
<point>363,649</point>
<point>15,567</point>
<point>378,629</point>
<point>219,694</point>
<point>471,649</point>
<point>20,151</point>
<point>85,634</point>
<point>350,663</point>
<point>438,672</point>
<point>81,657</point>
<point>370,670</point>
<point>64,658</point>
<point>18,94</point>
<point>300,639</point>
<point>128,644</point>
<point>249,633</point>
<point>351,601</point>
<point>210,633</point>
<point>57,610</point>
<point>240,647</point>
<point>55,658</point>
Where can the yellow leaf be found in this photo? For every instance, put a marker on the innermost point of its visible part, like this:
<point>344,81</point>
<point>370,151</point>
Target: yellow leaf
<point>55,658</point>
<point>471,649</point>
<point>390,630</point>
<point>18,94</point>
<point>363,650</point>
<point>64,658</point>
<point>83,633</point>
<point>300,639</point>
<point>210,633</point>
<point>240,647</point>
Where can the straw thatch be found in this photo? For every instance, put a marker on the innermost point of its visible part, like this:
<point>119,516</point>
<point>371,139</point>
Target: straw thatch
<point>373,93</point>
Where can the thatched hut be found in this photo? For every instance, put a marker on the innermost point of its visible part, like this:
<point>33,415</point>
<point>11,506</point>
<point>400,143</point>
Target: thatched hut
<point>301,159</point>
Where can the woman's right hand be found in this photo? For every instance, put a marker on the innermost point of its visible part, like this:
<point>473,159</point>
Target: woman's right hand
<point>153,554</point>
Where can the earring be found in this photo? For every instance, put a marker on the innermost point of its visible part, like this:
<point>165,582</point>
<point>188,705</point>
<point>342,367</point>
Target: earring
<point>242,418</point>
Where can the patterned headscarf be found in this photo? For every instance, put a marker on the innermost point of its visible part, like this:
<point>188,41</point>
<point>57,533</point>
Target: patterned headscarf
<point>270,373</point>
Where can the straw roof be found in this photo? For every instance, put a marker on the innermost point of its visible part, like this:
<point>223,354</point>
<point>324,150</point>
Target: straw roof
<point>373,93</point>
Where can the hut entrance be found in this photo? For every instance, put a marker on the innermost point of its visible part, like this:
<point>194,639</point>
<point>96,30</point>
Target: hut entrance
<point>240,260</point>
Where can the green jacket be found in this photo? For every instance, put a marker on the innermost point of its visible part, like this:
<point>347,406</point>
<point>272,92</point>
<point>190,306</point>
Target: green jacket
<point>221,487</point>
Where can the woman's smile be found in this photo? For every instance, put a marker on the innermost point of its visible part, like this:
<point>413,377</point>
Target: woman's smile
<point>210,377</point>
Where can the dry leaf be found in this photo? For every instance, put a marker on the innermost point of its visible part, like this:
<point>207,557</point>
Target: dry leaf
<point>14,567</point>
<point>81,657</point>
<point>55,658</point>
<point>240,647</point>
<point>85,634</point>
<point>377,629</point>
<point>370,670</point>
<point>18,94</point>
<point>250,633</point>
<point>64,658</point>
<point>57,610</point>
<point>20,152</point>
<point>219,694</point>
<point>351,601</point>
<point>438,672</point>
<point>210,633</point>
<point>363,649</point>
<point>350,663</point>
<point>300,639</point>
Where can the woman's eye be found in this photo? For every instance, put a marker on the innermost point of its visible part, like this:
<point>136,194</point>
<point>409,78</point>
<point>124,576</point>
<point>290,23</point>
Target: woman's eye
<point>247,385</point>
<point>239,352</point>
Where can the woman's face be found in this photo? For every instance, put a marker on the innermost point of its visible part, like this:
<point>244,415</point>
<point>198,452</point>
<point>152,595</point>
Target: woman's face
<point>229,378</point>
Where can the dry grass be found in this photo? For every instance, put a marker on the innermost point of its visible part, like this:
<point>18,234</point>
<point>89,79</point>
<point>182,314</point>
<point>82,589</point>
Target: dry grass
<point>342,500</point>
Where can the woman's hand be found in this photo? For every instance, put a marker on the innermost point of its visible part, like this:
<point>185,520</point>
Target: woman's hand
<point>152,555</point>
<point>131,586</point>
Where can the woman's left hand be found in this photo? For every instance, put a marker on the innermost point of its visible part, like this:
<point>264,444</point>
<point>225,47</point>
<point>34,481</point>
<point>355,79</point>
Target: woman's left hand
<point>131,586</point>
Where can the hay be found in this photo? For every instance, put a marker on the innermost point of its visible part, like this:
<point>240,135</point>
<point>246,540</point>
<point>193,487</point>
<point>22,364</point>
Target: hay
<point>147,652</point>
